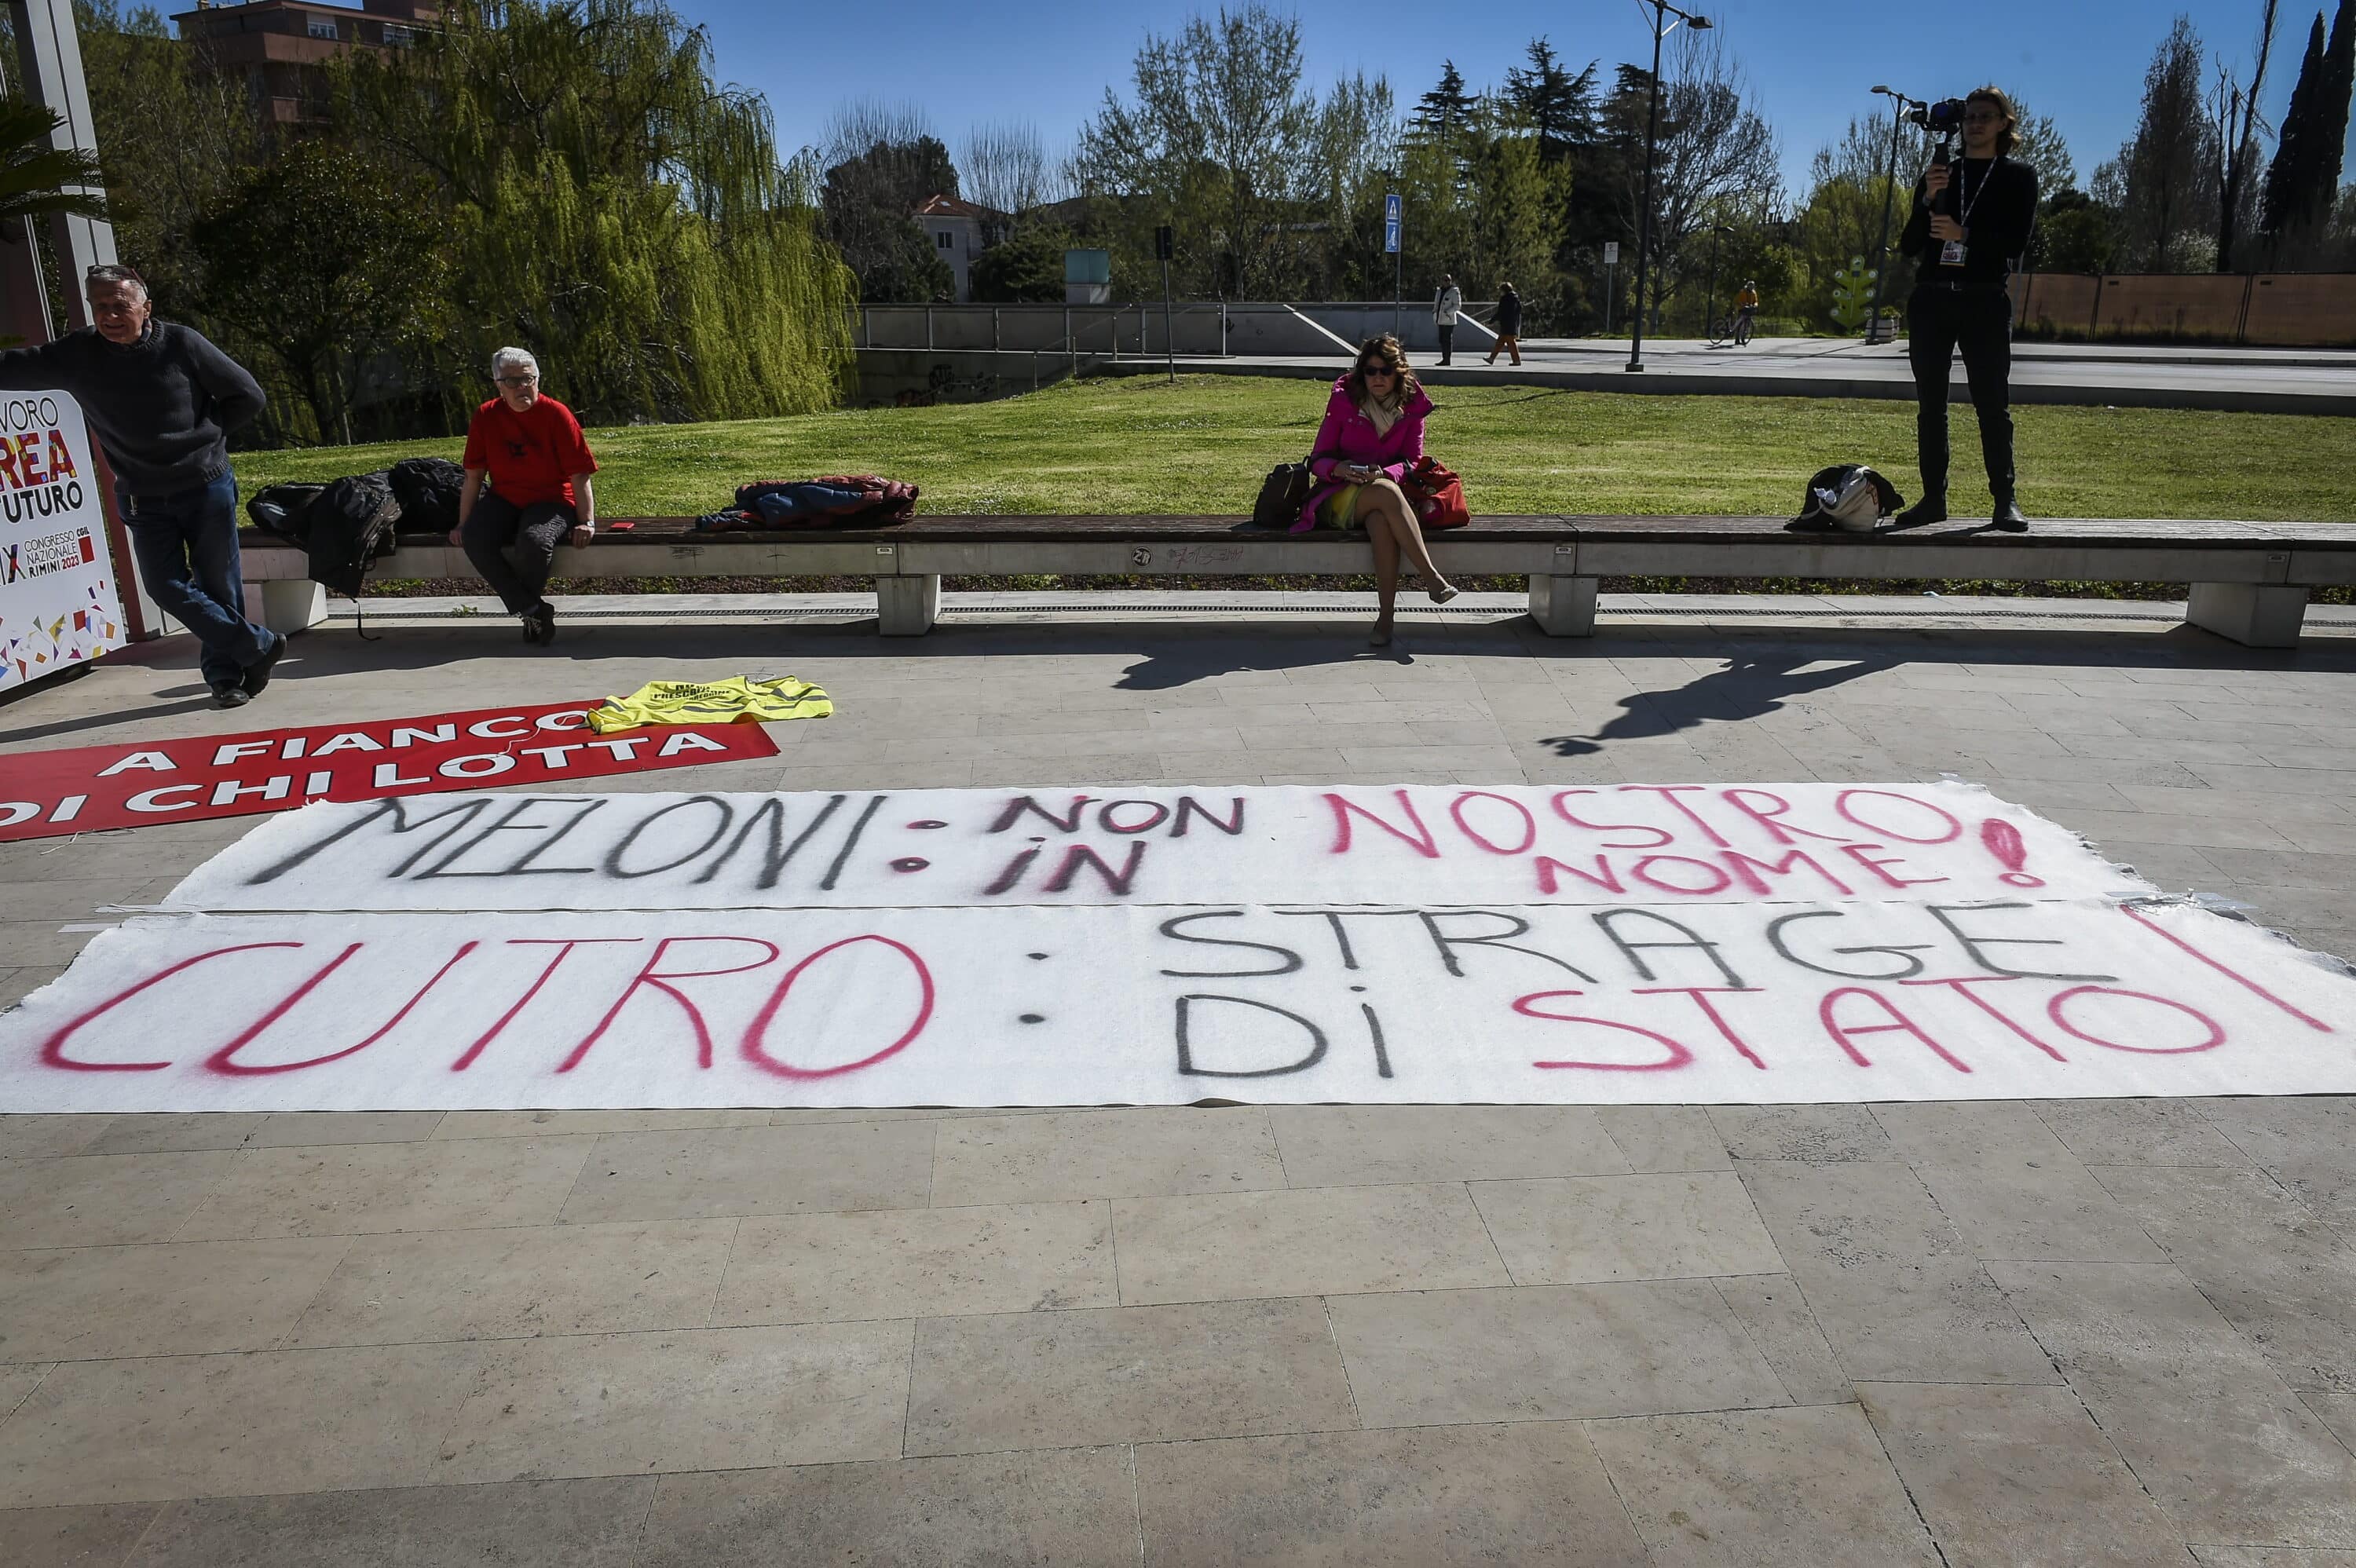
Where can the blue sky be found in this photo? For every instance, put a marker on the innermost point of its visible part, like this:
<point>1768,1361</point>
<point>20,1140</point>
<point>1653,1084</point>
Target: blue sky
<point>1809,62</point>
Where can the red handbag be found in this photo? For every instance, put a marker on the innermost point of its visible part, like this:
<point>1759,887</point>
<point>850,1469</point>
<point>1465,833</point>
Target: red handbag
<point>1436,493</point>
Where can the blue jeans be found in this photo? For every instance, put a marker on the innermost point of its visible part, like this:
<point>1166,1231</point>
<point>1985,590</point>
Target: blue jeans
<point>185,545</point>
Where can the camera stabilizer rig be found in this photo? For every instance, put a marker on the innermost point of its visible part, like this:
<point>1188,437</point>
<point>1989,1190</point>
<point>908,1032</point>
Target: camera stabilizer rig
<point>1943,120</point>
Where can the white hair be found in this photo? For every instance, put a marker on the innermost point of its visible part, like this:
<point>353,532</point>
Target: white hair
<point>507,357</point>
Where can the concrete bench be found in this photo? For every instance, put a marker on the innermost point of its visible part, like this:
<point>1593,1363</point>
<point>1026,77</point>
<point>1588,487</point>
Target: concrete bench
<point>2249,581</point>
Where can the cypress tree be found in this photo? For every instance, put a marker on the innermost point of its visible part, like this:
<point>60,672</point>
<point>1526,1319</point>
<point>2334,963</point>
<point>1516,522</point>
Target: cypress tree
<point>2332,114</point>
<point>2304,182</point>
<point>610,207</point>
<point>2287,176</point>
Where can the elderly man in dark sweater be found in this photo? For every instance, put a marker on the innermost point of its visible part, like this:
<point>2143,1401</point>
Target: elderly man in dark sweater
<point>1968,250</point>
<point>161,400</point>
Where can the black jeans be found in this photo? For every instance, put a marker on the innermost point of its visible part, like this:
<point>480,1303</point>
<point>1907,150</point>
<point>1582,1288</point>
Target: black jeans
<point>1447,342</point>
<point>535,532</point>
<point>1979,322</point>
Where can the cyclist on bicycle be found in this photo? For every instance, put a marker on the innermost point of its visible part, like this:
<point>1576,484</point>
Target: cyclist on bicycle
<point>1746,311</point>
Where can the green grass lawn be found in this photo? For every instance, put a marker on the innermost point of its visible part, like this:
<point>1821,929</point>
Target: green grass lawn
<point>1140,445</point>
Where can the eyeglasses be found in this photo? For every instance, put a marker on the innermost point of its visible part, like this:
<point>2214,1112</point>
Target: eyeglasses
<point>517,380</point>
<point>1377,371</point>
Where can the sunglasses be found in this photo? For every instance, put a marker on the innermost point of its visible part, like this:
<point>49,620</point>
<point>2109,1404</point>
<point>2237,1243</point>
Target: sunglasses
<point>1377,371</point>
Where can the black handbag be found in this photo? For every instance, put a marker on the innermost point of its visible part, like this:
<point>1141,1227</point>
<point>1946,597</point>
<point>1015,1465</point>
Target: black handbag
<point>1283,493</point>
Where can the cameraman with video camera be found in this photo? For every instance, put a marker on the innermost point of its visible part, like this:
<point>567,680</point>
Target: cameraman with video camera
<point>1971,222</point>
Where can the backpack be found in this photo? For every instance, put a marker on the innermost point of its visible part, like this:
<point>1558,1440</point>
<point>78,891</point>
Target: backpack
<point>351,525</point>
<point>427,489</point>
<point>284,510</point>
<point>1282,494</point>
<point>1848,496</point>
<point>1436,493</point>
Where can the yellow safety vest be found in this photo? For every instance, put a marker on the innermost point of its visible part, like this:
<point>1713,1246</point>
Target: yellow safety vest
<point>736,700</point>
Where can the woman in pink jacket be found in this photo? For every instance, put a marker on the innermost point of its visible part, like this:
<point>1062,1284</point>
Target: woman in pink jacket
<point>1372,435</point>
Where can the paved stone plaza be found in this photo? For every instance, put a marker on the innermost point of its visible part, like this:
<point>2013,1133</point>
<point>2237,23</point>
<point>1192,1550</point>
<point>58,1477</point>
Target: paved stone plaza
<point>2117,1332</point>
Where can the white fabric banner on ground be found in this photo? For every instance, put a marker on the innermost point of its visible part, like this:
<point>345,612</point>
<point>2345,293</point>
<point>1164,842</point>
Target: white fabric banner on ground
<point>1607,844</point>
<point>1627,1003</point>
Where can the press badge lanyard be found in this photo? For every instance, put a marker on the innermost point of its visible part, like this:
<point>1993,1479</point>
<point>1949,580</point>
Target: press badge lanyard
<point>1951,252</point>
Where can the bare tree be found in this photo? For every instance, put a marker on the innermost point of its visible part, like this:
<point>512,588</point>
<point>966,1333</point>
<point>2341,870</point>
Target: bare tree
<point>860,125</point>
<point>1716,160</point>
<point>1005,166</point>
<point>2239,123</point>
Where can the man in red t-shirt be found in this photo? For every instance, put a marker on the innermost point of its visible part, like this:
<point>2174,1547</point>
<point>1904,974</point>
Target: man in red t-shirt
<point>532,448</point>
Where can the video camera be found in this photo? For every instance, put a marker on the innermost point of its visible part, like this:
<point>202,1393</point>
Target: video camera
<point>1943,120</point>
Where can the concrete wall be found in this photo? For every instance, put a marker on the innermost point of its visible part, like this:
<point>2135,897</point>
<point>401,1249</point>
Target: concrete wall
<point>1137,330</point>
<point>2311,310</point>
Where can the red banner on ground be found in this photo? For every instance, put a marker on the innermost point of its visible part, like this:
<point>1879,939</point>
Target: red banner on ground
<point>45,795</point>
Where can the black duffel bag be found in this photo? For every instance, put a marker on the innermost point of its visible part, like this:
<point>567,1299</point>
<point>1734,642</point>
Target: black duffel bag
<point>284,510</point>
<point>428,490</point>
<point>352,524</point>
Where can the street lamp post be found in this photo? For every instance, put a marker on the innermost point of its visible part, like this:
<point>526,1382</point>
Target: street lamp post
<point>1899,101</point>
<point>1662,28</point>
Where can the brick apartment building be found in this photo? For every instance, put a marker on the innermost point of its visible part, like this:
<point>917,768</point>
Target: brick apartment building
<point>281,47</point>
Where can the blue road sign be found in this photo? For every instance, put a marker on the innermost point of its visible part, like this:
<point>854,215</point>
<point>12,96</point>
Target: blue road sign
<point>1391,224</point>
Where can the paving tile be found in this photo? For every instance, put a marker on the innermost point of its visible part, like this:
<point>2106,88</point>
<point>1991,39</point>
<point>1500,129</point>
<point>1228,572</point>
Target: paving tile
<point>1333,1146</point>
<point>519,1282</point>
<point>1579,1230</point>
<point>339,1189</point>
<point>94,1200</point>
<point>1158,1151</point>
<point>98,1303</point>
<point>2012,1187</point>
<point>2270,1557</point>
<point>1899,1295</point>
<point>2137,1132</point>
<point>293,1129</point>
<point>1532,1492</point>
<point>1666,1138</point>
<point>2305,1142</point>
<point>533,1124</point>
<point>886,1263</point>
<point>1130,1374</point>
<point>2213,1435</point>
<point>87,1537</point>
<point>531,1524</point>
<point>1808,1487</point>
<point>1772,1310</point>
<point>713,1399</point>
<point>49,1137</point>
<point>272,1422</point>
<point>167,1132</point>
<point>1072,1507</point>
<point>2275,1270</point>
<point>17,1382</point>
<point>1546,1353</point>
<point>705,1172</point>
<point>1319,1242</point>
<point>2018,1476</point>
<point>1813,1133</point>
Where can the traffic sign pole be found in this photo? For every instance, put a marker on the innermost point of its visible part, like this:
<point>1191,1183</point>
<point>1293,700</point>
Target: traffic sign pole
<point>1391,236</point>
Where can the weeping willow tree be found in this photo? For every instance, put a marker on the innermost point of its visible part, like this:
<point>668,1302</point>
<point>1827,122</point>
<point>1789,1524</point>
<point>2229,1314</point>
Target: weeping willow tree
<point>610,207</point>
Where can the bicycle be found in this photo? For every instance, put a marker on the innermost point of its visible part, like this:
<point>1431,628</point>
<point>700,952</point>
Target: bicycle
<point>1744,323</point>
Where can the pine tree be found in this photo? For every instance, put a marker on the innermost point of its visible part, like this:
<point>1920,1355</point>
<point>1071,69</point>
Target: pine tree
<point>2304,183</point>
<point>1444,111</point>
<point>1548,100</point>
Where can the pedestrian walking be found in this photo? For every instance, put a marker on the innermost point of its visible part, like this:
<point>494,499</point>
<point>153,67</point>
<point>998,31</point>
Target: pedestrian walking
<point>163,400</point>
<point>1968,252</point>
<point>1509,325</point>
<point>527,486</point>
<point>1446,307</point>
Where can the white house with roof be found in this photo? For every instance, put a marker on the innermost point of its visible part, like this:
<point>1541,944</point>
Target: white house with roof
<point>959,230</point>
